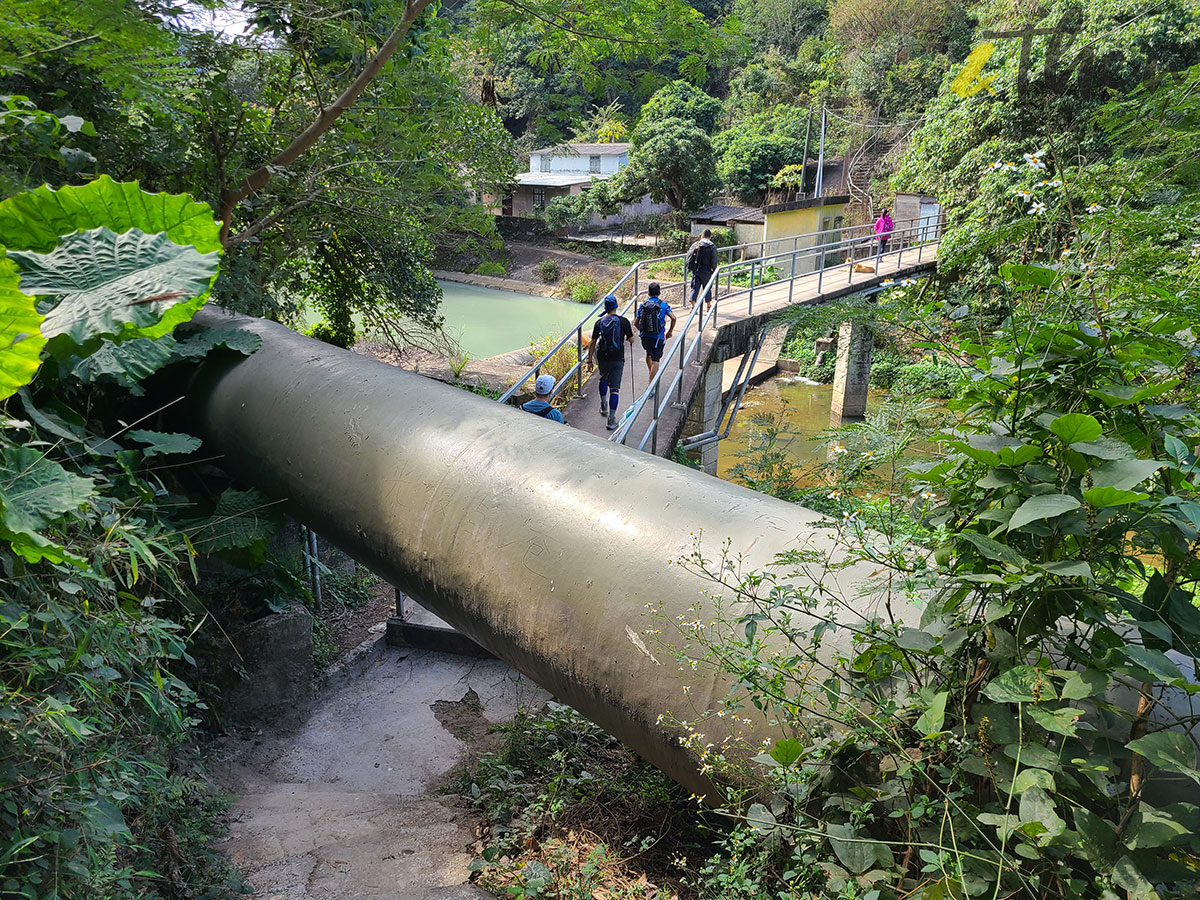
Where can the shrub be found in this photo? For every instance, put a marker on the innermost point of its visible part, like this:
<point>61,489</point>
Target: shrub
<point>560,363</point>
<point>490,267</point>
<point>928,378</point>
<point>581,287</point>
<point>548,270</point>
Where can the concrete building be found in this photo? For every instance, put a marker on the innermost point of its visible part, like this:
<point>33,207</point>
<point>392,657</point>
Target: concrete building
<point>917,205</point>
<point>569,169</point>
<point>777,224</point>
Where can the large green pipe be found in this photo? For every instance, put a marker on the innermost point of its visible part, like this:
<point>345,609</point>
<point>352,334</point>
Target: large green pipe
<point>540,542</point>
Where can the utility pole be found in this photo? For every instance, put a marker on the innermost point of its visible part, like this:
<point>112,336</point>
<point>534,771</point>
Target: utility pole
<point>804,158</point>
<point>821,157</point>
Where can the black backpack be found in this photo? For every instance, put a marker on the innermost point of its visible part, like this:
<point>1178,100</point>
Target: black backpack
<point>610,337</point>
<point>649,317</point>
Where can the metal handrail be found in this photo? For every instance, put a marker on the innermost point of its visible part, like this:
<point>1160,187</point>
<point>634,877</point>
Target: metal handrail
<point>576,331</point>
<point>927,230</point>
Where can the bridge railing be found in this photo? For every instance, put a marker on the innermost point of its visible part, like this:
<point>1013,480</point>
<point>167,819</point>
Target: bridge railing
<point>909,239</point>
<point>808,244</point>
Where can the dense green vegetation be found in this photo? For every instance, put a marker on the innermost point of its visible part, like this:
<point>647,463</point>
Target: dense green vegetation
<point>963,742</point>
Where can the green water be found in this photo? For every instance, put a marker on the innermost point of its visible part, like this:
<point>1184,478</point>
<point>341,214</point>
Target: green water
<point>805,412</point>
<point>487,322</point>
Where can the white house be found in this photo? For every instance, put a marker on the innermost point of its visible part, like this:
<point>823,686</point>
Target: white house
<point>569,169</point>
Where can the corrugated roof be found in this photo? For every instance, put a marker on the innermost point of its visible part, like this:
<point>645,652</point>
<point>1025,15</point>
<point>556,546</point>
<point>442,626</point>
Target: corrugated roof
<point>587,149</point>
<point>554,179</point>
<point>722,213</point>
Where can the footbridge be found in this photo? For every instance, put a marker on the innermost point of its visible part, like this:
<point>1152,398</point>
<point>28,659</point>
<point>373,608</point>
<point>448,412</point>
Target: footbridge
<point>751,286</point>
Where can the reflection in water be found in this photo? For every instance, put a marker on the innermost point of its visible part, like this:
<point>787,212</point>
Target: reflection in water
<point>805,411</point>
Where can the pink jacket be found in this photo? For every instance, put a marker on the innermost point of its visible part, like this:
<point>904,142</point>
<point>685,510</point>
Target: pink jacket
<point>883,226</point>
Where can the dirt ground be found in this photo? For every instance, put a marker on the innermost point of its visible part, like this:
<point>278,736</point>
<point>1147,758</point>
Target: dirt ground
<point>525,258</point>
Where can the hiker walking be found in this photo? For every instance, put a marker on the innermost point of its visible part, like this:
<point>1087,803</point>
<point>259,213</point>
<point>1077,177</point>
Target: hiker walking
<point>543,387</point>
<point>883,230</point>
<point>702,262</point>
<point>652,324</point>
<point>607,348</point>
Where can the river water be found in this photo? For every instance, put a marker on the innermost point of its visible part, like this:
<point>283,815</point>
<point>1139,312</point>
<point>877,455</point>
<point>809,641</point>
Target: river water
<point>802,408</point>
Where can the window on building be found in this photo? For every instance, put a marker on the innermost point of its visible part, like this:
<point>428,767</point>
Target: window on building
<point>594,165</point>
<point>539,198</point>
<point>544,163</point>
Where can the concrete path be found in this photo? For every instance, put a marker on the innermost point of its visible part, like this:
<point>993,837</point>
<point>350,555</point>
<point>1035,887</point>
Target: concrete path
<point>348,806</point>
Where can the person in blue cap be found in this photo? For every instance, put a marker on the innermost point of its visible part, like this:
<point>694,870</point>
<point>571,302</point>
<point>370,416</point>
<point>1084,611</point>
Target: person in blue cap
<point>543,387</point>
<point>609,335</point>
<point>652,324</point>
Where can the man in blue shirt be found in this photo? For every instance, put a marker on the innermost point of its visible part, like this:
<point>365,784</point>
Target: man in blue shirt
<point>652,323</point>
<point>543,387</point>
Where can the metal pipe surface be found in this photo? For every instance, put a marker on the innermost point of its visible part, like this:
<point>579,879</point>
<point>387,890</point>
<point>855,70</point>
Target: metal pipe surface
<point>540,542</point>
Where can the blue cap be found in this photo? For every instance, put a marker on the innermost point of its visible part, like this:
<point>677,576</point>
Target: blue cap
<point>544,385</point>
<point>610,302</point>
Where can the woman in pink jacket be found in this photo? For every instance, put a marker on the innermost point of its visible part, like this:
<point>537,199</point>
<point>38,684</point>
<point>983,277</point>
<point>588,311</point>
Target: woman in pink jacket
<point>883,230</point>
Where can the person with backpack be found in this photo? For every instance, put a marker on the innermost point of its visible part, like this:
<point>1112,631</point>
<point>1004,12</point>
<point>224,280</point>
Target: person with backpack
<point>607,349</point>
<point>702,262</point>
<point>652,324</point>
<point>543,387</point>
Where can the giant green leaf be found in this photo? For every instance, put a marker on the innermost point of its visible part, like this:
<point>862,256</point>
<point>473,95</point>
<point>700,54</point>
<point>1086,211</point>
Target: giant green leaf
<point>159,443</point>
<point>1044,506</point>
<point>241,520</point>
<point>115,284</point>
<point>1124,474</point>
<point>1170,750</point>
<point>126,363</point>
<point>21,338</point>
<point>1075,427</point>
<point>37,219</point>
<point>1111,496</point>
<point>854,853</point>
<point>1037,808</point>
<point>35,490</point>
<point>1020,684</point>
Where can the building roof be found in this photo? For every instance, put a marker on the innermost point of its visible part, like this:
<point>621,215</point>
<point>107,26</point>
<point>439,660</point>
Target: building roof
<point>570,149</point>
<point>721,214</point>
<point>554,179</point>
<point>826,200</point>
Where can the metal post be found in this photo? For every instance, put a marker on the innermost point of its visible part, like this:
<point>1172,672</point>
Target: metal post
<point>792,280</point>
<point>315,560</point>
<point>579,361</point>
<point>821,158</point>
<point>804,157</point>
<point>682,342</point>
<point>654,420</point>
<point>750,308</point>
<point>821,270</point>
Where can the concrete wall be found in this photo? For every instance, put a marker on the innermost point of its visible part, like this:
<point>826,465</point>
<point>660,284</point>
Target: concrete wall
<point>788,223</point>
<point>523,197</point>
<point>578,164</point>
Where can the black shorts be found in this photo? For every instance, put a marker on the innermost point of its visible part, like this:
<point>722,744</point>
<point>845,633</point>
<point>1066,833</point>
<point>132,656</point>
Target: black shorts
<point>653,347</point>
<point>612,370</point>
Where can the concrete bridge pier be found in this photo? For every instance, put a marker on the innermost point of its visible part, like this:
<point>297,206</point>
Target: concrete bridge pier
<point>852,374</point>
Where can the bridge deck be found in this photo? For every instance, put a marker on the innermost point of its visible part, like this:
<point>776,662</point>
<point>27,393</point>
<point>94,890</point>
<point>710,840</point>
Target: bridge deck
<point>732,309</point>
